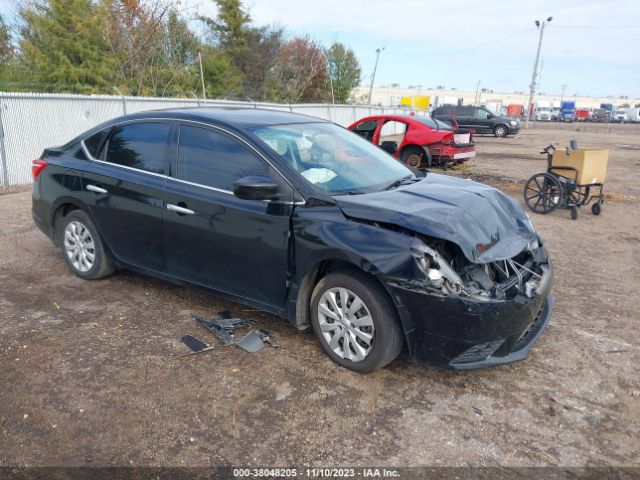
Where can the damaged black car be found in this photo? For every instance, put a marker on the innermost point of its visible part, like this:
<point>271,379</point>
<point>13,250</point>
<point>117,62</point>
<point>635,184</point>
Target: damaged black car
<point>301,218</point>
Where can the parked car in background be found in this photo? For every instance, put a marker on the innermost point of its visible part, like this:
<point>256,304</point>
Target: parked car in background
<point>600,115</point>
<point>567,112</point>
<point>301,218</point>
<point>608,111</point>
<point>423,141</point>
<point>583,114</point>
<point>543,114</point>
<point>633,115</point>
<point>515,110</point>
<point>555,114</point>
<point>619,115</point>
<point>477,118</point>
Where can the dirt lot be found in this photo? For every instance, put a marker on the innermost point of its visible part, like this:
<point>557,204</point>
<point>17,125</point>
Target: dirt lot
<point>88,377</point>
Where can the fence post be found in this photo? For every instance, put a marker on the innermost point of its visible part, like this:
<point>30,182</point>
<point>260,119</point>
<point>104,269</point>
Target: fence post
<point>4,171</point>
<point>124,105</point>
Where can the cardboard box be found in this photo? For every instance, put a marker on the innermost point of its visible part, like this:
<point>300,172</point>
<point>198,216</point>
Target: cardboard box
<point>591,165</point>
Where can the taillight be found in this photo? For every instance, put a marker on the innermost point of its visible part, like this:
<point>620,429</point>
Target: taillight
<point>37,166</point>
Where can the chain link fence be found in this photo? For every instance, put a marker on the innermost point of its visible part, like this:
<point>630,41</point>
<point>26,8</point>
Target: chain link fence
<point>30,122</point>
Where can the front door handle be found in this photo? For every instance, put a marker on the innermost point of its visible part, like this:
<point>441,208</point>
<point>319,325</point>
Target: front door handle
<point>93,188</point>
<point>179,210</point>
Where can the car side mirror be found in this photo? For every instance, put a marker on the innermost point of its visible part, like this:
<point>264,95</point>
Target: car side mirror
<point>255,188</point>
<point>389,146</point>
<point>490,116</point>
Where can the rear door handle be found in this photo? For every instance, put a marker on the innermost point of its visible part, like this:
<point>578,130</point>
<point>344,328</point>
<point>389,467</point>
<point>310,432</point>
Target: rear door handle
<point>179,210</point>
<point>93,188</point>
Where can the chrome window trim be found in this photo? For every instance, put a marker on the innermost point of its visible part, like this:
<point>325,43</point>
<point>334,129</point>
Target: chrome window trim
<point>167,177</point>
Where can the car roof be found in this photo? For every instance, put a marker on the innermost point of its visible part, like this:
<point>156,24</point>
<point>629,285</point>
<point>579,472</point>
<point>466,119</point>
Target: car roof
<point>229,116</point>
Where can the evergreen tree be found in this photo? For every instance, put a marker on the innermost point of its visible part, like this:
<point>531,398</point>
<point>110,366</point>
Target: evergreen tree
<point>64,48</point>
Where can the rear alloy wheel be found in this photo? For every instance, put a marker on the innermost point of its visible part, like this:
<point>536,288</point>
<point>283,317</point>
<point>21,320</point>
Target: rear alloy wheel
<point>500,131</point>
<point>82,247</point>
<point>412,157</point>
<point>355,322</point>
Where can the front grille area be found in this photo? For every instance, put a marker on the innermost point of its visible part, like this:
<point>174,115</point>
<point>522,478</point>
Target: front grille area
<point>479,352</point>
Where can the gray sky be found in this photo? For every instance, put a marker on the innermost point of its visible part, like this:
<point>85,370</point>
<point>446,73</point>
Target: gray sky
<point>457,43</point>
<point>424,39</point>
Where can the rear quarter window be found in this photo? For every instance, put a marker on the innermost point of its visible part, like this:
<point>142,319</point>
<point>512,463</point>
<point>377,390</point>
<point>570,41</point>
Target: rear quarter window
<point>95,142</point>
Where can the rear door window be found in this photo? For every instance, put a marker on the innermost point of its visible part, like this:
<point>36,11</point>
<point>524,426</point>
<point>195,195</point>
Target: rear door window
<point>139,145</point>
<point>368,125</point>
<point>213,159</point>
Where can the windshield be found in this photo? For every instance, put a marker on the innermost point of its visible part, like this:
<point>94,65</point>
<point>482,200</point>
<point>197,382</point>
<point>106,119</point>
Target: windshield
<point>331,159</point>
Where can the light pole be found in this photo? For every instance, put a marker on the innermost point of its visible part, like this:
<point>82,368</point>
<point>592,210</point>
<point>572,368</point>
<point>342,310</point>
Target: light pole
<point>535,67</point>
<point>373,76</point>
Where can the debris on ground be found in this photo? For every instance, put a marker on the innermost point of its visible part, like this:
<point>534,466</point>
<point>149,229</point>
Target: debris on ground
<point>251,342</point>
<point>196,346</point>
<point>193,343</point>
<point>224,327</point>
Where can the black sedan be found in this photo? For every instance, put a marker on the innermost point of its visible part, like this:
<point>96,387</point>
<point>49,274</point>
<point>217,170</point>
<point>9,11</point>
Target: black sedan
<point>304,219</point>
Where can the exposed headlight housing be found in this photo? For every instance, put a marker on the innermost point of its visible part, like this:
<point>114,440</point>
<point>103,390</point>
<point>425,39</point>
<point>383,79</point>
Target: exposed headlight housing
<point>513,123</point>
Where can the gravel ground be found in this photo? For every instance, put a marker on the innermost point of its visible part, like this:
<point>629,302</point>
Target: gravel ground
<point>90,379</point>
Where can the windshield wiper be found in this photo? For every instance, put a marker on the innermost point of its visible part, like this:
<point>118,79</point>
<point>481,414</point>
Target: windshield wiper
<point>399,182</point>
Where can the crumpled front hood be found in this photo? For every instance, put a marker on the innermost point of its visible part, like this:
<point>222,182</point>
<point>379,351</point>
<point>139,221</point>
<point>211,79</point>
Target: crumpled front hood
<point>484,222</point>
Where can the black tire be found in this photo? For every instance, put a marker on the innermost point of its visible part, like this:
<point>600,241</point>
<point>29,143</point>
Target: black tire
<point>574,213</point>
<point>501,130</point>
<point>387,335</point>
<point>596,208</point>
<point>102,265</point>
<point>412,157</point>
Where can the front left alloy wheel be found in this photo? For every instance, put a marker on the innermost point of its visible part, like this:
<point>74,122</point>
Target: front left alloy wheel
<point>355,322</point>
<point>82,247</point>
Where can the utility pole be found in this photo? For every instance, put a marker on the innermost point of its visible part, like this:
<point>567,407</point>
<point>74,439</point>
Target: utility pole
<point>475,99</point>
<point>373,77</point>
<point>204,95</point>
<point>564,87</point>
<point>535,68</point>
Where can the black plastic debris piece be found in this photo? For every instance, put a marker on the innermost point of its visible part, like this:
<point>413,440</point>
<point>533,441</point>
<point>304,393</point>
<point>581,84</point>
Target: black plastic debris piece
<point>252,342</point>
<point>193,343</point>
<point>223,328</point>
<point>196,346</point>
<point>267,338</point>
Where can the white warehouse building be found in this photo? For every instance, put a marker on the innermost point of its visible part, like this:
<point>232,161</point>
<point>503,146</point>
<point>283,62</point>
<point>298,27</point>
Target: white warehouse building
<point>390,96</point>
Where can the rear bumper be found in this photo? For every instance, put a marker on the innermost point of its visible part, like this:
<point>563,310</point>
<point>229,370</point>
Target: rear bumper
<point>452,152</point>
<point>463,334</point>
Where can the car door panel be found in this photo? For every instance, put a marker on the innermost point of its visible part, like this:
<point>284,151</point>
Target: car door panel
<point>124,191</point>
<point>129,214</point>
<point>233,245</point>
<point>236,246</point>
